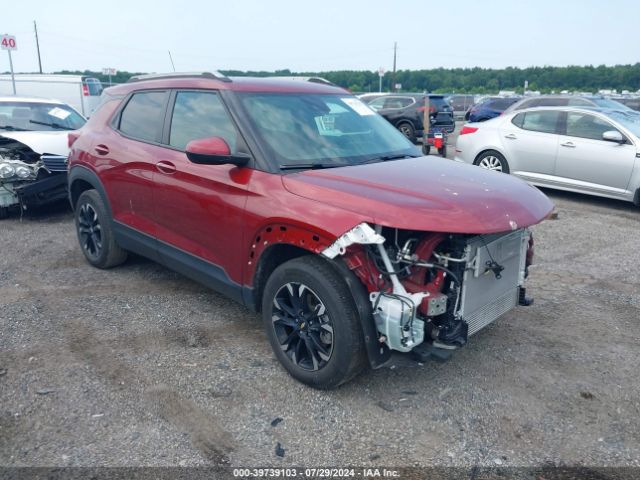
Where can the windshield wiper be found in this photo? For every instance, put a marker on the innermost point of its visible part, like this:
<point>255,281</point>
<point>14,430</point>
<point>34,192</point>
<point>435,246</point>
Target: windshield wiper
<point>384,158</point>
<point>309,166</point>
<point>13,129</point>
<point>52,125</point>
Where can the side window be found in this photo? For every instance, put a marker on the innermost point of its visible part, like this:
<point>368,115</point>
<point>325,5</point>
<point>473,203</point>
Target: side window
<point>143,115</point>
<point>377,104</point>
<point>586,126</point>
<point>394,102</point>
<point>200,115</point>
<point>545,121</point>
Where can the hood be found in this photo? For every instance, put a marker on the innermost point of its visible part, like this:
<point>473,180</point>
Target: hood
<point>427,193</point>
<point>42,142</point>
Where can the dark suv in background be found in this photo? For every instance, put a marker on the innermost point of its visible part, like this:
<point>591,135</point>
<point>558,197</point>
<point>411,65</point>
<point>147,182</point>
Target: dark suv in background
<point>406,112</point>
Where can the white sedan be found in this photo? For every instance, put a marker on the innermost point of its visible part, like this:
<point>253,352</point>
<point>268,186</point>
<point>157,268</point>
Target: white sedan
<point>33,150</point>
<point>586,150</point>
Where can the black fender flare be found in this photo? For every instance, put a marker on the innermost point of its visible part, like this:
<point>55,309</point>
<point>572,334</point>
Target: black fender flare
<point>378,353</point>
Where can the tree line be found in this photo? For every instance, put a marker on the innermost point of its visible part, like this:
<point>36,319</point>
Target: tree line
<point>460,80</point>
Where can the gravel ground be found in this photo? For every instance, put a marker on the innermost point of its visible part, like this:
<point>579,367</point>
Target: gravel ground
<point>140,366</point>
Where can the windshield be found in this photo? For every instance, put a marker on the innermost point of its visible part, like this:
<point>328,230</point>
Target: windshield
<point>607,103</point>
<point>331,130</point>
<point>34,116</point>
<point>631,121</point>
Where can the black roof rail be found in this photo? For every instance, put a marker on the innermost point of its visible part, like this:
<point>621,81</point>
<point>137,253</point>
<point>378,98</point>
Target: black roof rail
<point>166,76</point>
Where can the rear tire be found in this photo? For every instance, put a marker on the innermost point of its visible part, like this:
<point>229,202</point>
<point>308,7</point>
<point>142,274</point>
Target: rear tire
<point>408,131</point>
<point>95,232</point>
<point>4,213</point>
<point>443,151</point>
<point>312,323</point>
<point>492,160</point>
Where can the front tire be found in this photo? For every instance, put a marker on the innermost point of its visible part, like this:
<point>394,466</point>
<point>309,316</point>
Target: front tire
<point>95,233</point>
<point>492,160</point>
<point>312,323</point>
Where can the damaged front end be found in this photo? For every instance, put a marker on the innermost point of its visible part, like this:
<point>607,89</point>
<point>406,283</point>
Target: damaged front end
<point>28,178</point>
<point>430,291</point>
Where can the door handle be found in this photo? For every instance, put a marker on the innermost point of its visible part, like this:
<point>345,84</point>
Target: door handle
<point>166,167</point>
<point>568,144</point>
<point>101,149</point>
<point>511,136</point>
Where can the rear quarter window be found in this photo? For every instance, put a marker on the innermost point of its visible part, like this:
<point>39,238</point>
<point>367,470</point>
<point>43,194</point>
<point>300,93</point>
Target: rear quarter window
<point>542,121</point>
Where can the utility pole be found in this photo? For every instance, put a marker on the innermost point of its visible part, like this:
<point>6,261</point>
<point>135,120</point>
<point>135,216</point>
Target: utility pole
<point>35,27</point>
<point>393,77</point>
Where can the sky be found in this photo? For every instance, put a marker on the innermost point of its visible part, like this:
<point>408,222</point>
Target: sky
<point>320,35</point>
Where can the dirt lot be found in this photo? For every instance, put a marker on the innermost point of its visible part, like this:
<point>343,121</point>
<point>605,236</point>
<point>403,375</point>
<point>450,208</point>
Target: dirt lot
<point>139,366</point>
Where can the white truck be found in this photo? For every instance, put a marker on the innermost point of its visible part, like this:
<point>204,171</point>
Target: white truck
<point>79,91</point>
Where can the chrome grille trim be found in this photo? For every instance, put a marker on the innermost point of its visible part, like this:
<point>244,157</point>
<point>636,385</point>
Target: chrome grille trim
<point>55,163</point>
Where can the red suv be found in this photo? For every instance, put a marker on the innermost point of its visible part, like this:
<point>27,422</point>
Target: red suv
<point>299,201</point>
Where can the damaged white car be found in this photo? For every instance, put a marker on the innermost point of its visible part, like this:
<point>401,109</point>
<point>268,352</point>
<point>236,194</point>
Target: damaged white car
<point>34,150</point>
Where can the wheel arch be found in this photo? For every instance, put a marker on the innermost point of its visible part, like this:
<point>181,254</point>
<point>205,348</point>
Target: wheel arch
<point>267,257</point>
<point>405,120</point>
<point>82,179</point>
<point>488,149</point>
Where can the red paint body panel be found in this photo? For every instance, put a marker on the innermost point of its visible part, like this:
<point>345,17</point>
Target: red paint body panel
<point>229,215</point>
<point>429,194</point>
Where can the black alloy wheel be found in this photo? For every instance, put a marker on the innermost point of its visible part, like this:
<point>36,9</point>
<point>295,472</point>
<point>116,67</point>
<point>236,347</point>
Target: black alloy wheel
<point>312,322</point>
<point>302,326</point>
<point>89,231</point>
<point>95,232</point>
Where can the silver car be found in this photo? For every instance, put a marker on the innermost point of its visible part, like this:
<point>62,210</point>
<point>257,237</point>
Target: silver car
<point>592,151</point>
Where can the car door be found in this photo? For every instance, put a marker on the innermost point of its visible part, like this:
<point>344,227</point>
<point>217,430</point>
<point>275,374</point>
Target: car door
<point>199,208</point>
<point>530,141</point>
<point>127,157</point>
<point>587,161</point>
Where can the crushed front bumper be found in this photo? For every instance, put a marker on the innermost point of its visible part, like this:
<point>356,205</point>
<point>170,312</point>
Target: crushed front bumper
<point>36,193</point>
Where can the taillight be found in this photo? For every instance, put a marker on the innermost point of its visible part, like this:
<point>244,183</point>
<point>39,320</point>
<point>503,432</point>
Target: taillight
<point>85,89</point>
<point>467,129</point>
<point>432,109</point>
<point>71,138</point>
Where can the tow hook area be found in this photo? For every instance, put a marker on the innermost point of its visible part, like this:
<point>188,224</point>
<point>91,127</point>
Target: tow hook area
<point>425,352</point>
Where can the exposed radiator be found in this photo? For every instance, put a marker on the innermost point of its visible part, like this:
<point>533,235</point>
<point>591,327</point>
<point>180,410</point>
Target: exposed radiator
<point>486,295</point>
<point>491,311</point>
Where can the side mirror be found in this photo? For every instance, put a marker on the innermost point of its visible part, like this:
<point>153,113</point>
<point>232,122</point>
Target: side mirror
<point>613,136</point>
<point>213,151</point>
